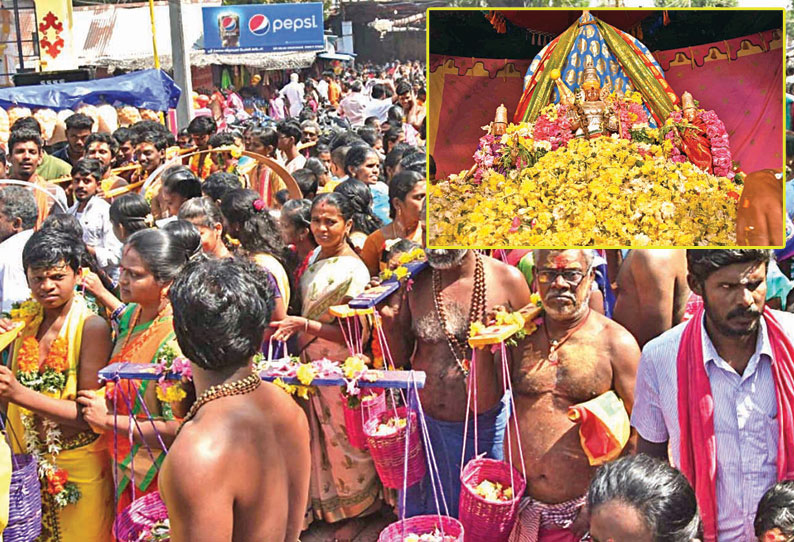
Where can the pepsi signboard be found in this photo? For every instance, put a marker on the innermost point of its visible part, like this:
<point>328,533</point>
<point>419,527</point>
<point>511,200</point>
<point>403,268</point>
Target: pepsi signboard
<point>263,28</point>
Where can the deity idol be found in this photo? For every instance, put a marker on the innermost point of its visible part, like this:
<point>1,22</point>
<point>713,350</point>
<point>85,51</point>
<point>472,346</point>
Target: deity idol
<point>590,115</point>
<point>694,141</point>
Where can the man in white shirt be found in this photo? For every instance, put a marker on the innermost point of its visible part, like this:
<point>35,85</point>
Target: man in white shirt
<point>93,213</point>
<point>725,365</point>
<point>354,104</point>
<point>289,135</point>
<point>18,213</point>
<point>322,87</point>
<point>293,92</point>
<point>379,105</point>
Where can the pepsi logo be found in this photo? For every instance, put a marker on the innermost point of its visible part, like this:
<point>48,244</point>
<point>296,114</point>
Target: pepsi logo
<point>259,25</point>
<point>229,23</point>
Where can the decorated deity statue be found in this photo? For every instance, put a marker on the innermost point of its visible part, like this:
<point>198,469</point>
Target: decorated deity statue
<point>590,115</point>
<point>694,142</point>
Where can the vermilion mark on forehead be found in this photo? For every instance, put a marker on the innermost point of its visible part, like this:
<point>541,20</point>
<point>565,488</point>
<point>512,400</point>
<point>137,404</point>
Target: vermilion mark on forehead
<point>561,261</point>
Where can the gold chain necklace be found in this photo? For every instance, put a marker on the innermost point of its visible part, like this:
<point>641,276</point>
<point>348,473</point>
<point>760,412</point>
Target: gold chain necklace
<point>238,387</point>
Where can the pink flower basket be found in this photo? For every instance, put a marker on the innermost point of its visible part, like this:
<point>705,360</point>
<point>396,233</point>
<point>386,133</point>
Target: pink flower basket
<point>139,517</point>
<point>450,528</point>
<point>484,520</point>
<point>388,451</point>
<point>356,417</point>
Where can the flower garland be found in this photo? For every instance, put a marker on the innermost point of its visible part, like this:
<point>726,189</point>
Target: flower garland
<point>486,155</point>
<point>203,171</point>
<point>353,370</point>
<point>49,379</point>
<point>716,133</point>
<point>554,126</point>
<point>168,361</point>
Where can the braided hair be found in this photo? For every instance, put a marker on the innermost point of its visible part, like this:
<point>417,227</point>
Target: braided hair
<point>257,231</point>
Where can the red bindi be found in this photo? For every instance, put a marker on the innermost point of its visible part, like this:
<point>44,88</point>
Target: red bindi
<point>560,261</point>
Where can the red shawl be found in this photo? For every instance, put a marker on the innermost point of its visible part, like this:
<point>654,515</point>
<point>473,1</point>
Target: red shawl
<point>696,414</point>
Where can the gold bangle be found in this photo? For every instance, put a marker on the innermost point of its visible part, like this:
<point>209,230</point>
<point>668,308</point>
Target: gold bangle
<point>306,325</point>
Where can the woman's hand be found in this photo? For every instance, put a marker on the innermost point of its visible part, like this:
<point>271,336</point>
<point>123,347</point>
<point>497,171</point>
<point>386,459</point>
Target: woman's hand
<point>7,325</point>
<point>9,385</point>
<point>93,284</point>
<point>288,327</point>
<point>94,409</point>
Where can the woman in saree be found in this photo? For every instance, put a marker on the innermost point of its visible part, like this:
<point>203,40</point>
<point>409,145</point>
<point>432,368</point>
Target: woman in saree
<point>248,220</point>
<point>150,261</point>
<point>56,356</point>
<point>344,483</point>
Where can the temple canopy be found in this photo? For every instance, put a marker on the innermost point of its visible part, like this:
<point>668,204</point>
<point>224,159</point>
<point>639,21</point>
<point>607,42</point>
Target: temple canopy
<point>621,61</point>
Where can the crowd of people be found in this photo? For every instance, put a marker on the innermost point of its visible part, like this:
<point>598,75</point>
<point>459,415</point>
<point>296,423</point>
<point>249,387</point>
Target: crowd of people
<point>220,259</point>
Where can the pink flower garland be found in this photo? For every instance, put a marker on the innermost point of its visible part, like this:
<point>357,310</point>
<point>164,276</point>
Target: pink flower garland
<point>486,155</point>
<point>627,109</point>
<point>717,135</point>
<point>720,146</point>
<point>676,155</point>
<point>557,132</point>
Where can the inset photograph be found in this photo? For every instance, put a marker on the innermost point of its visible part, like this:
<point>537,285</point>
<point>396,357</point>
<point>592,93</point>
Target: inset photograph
<point>607,128</point>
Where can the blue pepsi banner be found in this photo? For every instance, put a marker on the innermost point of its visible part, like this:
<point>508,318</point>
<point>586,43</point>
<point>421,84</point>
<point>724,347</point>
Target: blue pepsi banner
<point>263,28</point>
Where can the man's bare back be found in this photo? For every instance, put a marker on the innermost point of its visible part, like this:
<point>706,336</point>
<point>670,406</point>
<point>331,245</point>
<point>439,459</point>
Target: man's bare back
<point>599,357</point>
<point>248,453</point>
<point>652,292</point>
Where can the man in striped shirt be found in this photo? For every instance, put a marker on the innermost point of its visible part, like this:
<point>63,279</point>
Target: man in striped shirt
<point>737,354</point>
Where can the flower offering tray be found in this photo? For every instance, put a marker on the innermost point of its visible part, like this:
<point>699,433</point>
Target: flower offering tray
<point>376,295</point>
<point>377,379</point>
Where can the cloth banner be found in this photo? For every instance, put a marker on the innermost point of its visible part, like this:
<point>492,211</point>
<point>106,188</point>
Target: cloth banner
<point>470,90</point>
<point>56,40</point>
<point>149,89</point>
<point>742,81</point>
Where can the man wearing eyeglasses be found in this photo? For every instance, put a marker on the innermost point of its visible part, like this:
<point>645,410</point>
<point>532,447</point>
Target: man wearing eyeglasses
<point>575,355</point>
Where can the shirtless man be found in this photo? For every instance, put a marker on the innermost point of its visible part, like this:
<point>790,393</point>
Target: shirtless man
<point>247,440</point>
<point>593,356</point>
<point>417,335</point>
<point>760,214</point>
<point>652,292</point>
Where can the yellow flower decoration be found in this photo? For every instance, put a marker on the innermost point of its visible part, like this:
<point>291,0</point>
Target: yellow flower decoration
<point>170,393</point>
<point>305,374</point>
<point>476,328</point>
<point>353,366</point>
<point>401,272</point>
<point>602,191</point>
<point>284,386</point>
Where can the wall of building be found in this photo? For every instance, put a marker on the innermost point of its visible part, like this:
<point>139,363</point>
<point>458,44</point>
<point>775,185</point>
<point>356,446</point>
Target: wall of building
<point>394,46</point>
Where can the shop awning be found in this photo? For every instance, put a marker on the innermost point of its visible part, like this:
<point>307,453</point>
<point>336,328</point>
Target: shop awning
<point>337,56</point>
